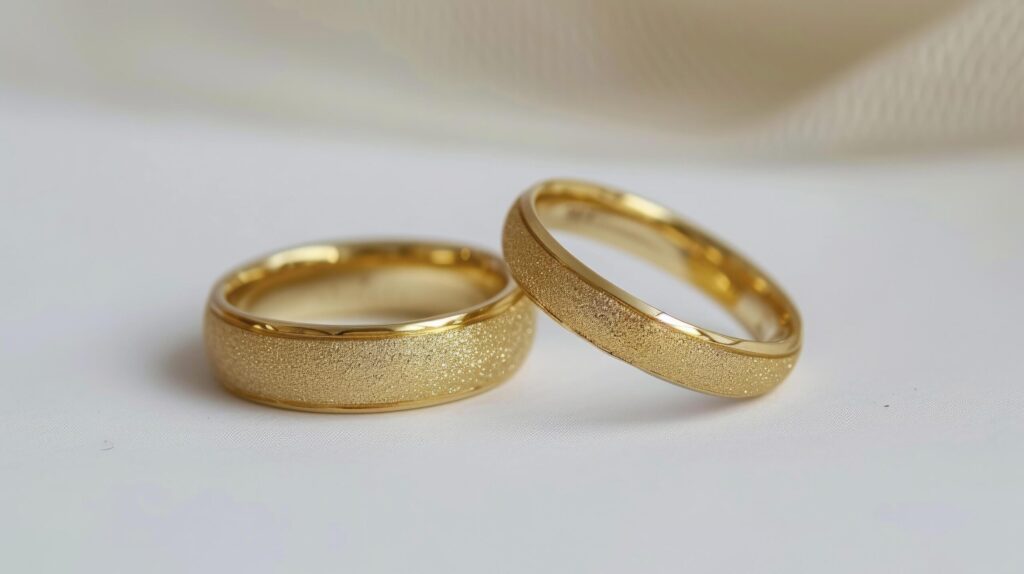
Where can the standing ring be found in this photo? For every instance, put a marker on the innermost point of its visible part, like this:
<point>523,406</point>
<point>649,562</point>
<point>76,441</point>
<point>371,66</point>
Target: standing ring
<point>448,322</point>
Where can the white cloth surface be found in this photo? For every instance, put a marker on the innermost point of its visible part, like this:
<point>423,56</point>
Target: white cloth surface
<point>644,76</point>
<point>893,447</point>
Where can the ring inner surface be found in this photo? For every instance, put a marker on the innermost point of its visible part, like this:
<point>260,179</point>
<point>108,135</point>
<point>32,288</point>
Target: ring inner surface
<point>652,233</point>
<point>365,285</point>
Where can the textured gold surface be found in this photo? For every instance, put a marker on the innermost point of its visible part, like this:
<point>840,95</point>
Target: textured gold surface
<point>573,296</point>
<point>371,372</point>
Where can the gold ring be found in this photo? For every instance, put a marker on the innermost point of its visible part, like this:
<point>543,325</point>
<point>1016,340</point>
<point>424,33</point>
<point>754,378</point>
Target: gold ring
<point>632,330</point>
<point>450,323</point>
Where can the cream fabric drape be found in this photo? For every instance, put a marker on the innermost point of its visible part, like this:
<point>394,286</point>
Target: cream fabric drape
<point>640,75</point>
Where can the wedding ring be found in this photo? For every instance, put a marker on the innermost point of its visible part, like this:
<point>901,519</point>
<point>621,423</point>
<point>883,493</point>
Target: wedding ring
<point>632,330</point>
<point>434,323</point>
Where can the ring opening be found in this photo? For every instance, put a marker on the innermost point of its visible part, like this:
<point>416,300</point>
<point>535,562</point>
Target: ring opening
<point>369,284</point>
<point>651,232</point>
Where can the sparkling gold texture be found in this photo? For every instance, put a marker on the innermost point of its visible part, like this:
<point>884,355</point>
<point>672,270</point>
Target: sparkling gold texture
<point>634,331</point>
<point>336,368</point>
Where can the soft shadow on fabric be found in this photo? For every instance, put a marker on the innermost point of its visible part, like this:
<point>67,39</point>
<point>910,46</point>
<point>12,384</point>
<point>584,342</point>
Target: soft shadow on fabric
<point>644,408</point>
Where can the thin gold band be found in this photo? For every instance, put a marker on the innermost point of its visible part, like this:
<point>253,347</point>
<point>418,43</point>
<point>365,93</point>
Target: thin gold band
<point>632,330</point>
<point>475,331</point>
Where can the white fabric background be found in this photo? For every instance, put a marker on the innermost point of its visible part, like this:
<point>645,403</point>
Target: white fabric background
<point>894,446</point>
<point>644,77</point>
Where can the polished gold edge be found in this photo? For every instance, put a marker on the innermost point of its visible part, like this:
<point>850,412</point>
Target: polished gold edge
<point>526,206</point>
<point>491,307</point>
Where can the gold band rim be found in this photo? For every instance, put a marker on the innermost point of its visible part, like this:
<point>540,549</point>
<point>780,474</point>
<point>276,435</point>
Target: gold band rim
<point>494,305</point>
<point>632,330</point>
<point>528,211</point>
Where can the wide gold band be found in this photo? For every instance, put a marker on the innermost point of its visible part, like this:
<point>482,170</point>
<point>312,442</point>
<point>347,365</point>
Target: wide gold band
<point>634,331</point>
<point>472,326</point>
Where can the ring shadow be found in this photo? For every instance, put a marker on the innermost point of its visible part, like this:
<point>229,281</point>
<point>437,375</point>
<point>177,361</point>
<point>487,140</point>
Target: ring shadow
<point>686,406</point>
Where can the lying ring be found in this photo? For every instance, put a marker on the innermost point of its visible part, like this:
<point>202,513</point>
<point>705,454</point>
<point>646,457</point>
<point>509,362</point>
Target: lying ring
<point>632,330</point>
<point>447,322</point>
